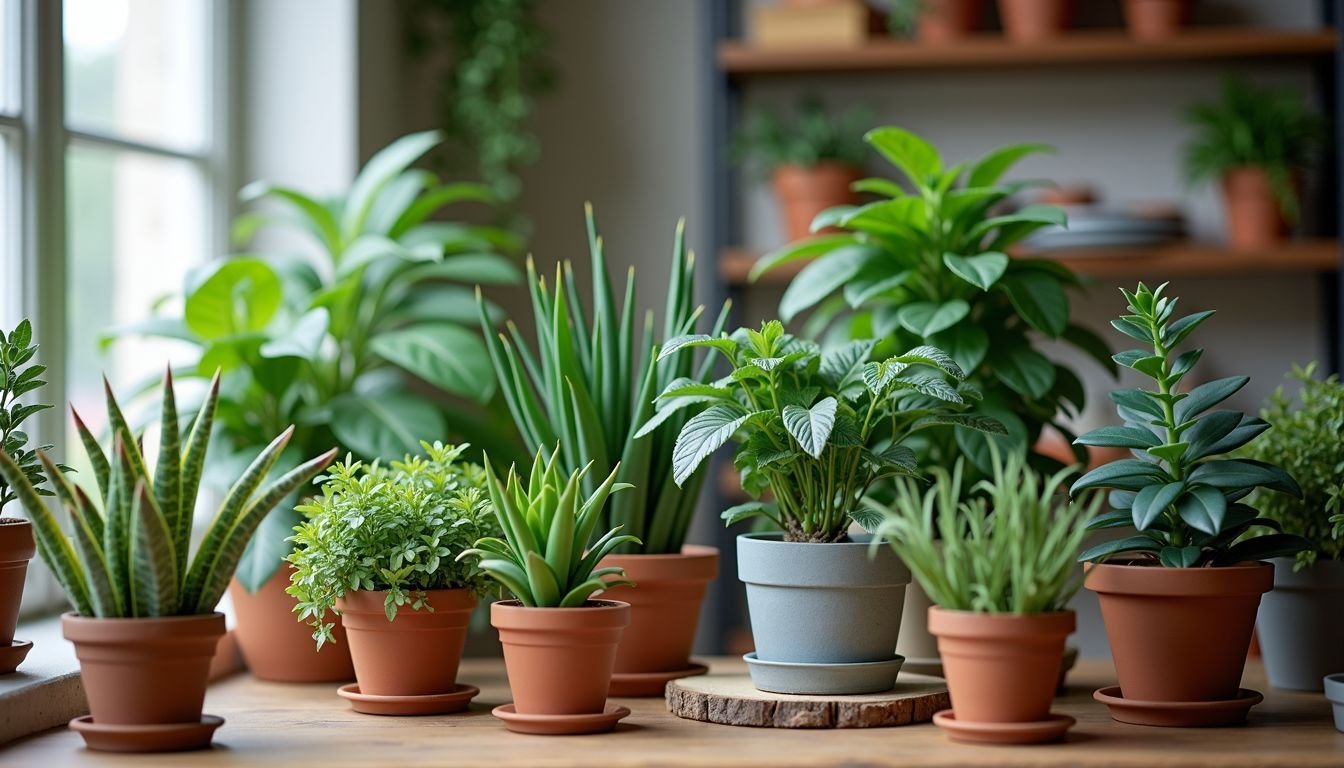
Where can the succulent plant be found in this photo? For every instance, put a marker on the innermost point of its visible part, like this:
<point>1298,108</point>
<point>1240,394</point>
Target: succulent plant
<point>128,555</point>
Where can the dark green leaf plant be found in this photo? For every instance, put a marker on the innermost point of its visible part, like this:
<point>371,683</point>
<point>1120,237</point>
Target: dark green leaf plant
<point>1182,494</point>
<point>810,136</point>
<point>20,376</point>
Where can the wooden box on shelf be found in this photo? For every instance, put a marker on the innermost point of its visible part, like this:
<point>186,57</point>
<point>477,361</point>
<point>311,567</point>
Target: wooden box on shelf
<point>833,24</point>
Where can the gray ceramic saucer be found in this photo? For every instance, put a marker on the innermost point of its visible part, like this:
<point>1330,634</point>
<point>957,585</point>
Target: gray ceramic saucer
<point>823,679</point>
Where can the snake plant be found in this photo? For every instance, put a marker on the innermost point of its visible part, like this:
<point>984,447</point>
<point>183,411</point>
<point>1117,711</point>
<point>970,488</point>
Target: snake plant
<point>128,555</point>
<point>592,384</point>
<point>544,558</point>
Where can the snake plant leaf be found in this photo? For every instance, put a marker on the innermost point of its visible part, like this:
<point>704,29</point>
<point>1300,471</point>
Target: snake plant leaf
<point>97,458</point>
<point>154,580</point>
<point>117,511</point>
<point>52,544</point>
<point>167,484</point>
<point>193,467</point>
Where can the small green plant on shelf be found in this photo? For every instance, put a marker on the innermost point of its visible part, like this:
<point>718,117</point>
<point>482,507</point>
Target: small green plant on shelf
<point>545,558</point>
<point>1181,493</point>
<point>1306,441</point>
<point>128,556</point>
<point>817,428</point>
<point>396,528</point>
<point>814,135</point>
<point>1007,545</point>
<point>19,376</point>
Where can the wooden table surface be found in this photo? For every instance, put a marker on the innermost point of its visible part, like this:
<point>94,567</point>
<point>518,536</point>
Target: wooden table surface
<point>293,726</point>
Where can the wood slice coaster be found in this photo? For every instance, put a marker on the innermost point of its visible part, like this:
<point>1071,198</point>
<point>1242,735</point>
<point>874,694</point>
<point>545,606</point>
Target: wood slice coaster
<point>733,700</point>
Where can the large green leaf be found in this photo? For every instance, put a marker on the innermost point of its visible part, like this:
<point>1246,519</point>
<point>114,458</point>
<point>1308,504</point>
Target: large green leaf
<point>1025,371</point>
<point>822,277</point>
<point>1152,501</point>
<point>916,158</point>
<point>1203,509</point>
<point>702,435</point>
<point>236,296</point>
<point>802,249</point>
<point>1113,436</point>
<point>303,340</point>
<point>990,168</point>
<point>967,343</point>
<point>386,426</point>
<point>1125,474</point>
<point>982,270</point>
<point>925,318</point>
<point>381,169</point>
<point>448,356</point>
<point>1207,395</point>
<point>811,427</point>
<point>1040,300</point>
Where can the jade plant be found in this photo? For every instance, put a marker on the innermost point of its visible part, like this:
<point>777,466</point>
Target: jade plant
<point>1306,441</point>
<point>395,528</point>
<point>927,264</point>
<point>128,553</point>
<point>591,382</point>
<point>816,428</point>
<point>1007,544</point>
<point>19,376</point>
<point>1181,492</point>
<point>545,558</point>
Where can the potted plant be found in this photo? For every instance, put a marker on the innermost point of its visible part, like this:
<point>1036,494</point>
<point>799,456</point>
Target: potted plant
<point>1035,21</point>
<point>1255,142</point>
<point>589,387</point>
<point>998,560</point>
<point>349,340</point>
<point>559,643</point>
<point>145,626</point>
<point>1156,19</point>
<point>1179,597</point>
<point>1301,624</point>
<point>812,160</point>
<point>936,22</point>
<point>817,429</point>
<point>379,548</point>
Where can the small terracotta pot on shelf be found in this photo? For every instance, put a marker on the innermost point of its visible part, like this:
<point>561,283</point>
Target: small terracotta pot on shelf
<point>946,21</point>
<point>415,654</point>
<point>1156,19</point>
<point>1254,219</point>
<point>1032,21</point>
<point>805,191</point>
<point>16,549</point>
<point>276,646</point>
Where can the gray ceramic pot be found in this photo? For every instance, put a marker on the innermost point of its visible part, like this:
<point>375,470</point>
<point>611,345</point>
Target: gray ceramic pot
<point>1334,691</point>
<point>821,603</point>
<point>1301,624</point>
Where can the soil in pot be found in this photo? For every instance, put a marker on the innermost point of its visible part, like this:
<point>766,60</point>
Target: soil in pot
<point>1254,221</point>
<point>1301,624</point>
<point>276,646</point>
<point>16,549</point>
<point>1156,19</point>
<point>1031,21</point>
<point>559,660</point>
<point>804,191</point>
<point>947,21</point>
<point>415,654</point>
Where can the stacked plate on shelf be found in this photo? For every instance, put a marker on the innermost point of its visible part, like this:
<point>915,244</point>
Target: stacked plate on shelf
<point>1102,227</point>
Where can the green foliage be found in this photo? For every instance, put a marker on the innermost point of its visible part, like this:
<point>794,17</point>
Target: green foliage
<point>903,17</point>
<point>1306,441</point>
<point>591,384</point>
<point>817,428</point>
<point>545,558</point>
<point>1180,492</point>
<point>128,554</point>
<point>396,528</point>
<point>1266,128</point>
<point>929,266</point>
<point>332,340</point>
<point>19,375</point>
<point>813,136</point>
<point>1006,546</point>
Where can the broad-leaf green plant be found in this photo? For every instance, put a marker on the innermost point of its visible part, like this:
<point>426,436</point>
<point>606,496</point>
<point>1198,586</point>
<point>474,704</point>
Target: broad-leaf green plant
<point>20,376</point>
<point>396,528</point>
<point>812,135</point>
<point>1180,492</point>
<point>127,556</point>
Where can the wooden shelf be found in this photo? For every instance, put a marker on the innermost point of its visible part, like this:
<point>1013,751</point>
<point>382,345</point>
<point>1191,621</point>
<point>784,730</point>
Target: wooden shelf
<point>1183,259</point>
<point>740,58</point>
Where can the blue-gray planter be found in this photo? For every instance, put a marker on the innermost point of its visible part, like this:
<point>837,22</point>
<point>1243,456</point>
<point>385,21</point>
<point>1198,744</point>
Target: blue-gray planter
<point>1301,624</point>
<point>821,603</point>
<point>1334,691</point>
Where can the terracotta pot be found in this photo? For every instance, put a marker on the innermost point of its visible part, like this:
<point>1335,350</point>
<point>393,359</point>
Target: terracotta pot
<point>279,648</point>
<point>1031,21</point>
<point>415,654</point>
<point>1179,634</point>
<point>1254,221</point>
<point>1001,668</point>
<point>144,671</point>
<point>947,21</point>
<point>1156,19</point>
<point>560,660</point>
<point>664,607</point>
<point>16,549</point>
<point>805,191</point>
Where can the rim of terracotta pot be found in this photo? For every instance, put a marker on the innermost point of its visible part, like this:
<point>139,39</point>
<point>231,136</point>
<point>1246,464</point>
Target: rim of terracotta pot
<point>946,622</point>
<point>799,171</point>
<point>371,601</point>
<point>85,629</point>
<point>1249,578</point>
<point>695,562</point>
<point>601,613</point>
<point>16,540</point>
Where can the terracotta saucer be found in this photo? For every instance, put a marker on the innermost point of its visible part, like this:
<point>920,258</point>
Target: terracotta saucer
<point>642,684</point>
<point>165,737</point>
<point>455,700</point>
<point>12,654</point>
<point>1052,729</point>
<point>1178,714</point>
<point>561,725</point>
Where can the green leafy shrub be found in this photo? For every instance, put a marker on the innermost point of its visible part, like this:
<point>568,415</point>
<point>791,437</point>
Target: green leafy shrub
<point>817,428</point>
<point>929,266</point>
<point>1179,491</point>
<point>397,528</point>
<point>1007,545</point>
<point>19,376</point>
<point>545,558</point>
<point>128,555</point>
<point>812,136</point>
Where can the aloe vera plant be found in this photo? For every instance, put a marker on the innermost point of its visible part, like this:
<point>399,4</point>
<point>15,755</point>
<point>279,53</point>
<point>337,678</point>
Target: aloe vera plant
<point>592,383</point>
<point>544,558</point>
<point>127,557</point>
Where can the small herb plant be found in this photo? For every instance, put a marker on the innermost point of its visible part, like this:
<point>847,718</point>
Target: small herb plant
<point>1180,492</point>
<point>397,528</point>
<point>816,428</point>
<point>545,558</point>
<point>19,375</point>
<point>1306,440</point>
<point>127,557</point>
<point>1008,545</point>
<point>813,136</point>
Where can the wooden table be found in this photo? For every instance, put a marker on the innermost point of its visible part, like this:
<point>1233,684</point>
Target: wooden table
<point>291,726</point>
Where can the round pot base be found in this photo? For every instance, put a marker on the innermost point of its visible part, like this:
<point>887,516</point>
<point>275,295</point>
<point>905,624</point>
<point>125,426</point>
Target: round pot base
<point>163,737</point>
<point>561,725</point>
<point>802,678</point>
<point>455,700</point>
<point>12,654</point>
<point>1178,714</point>
<point>650,684</point>
<point>1041,732</point>
<point>931,666</point>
